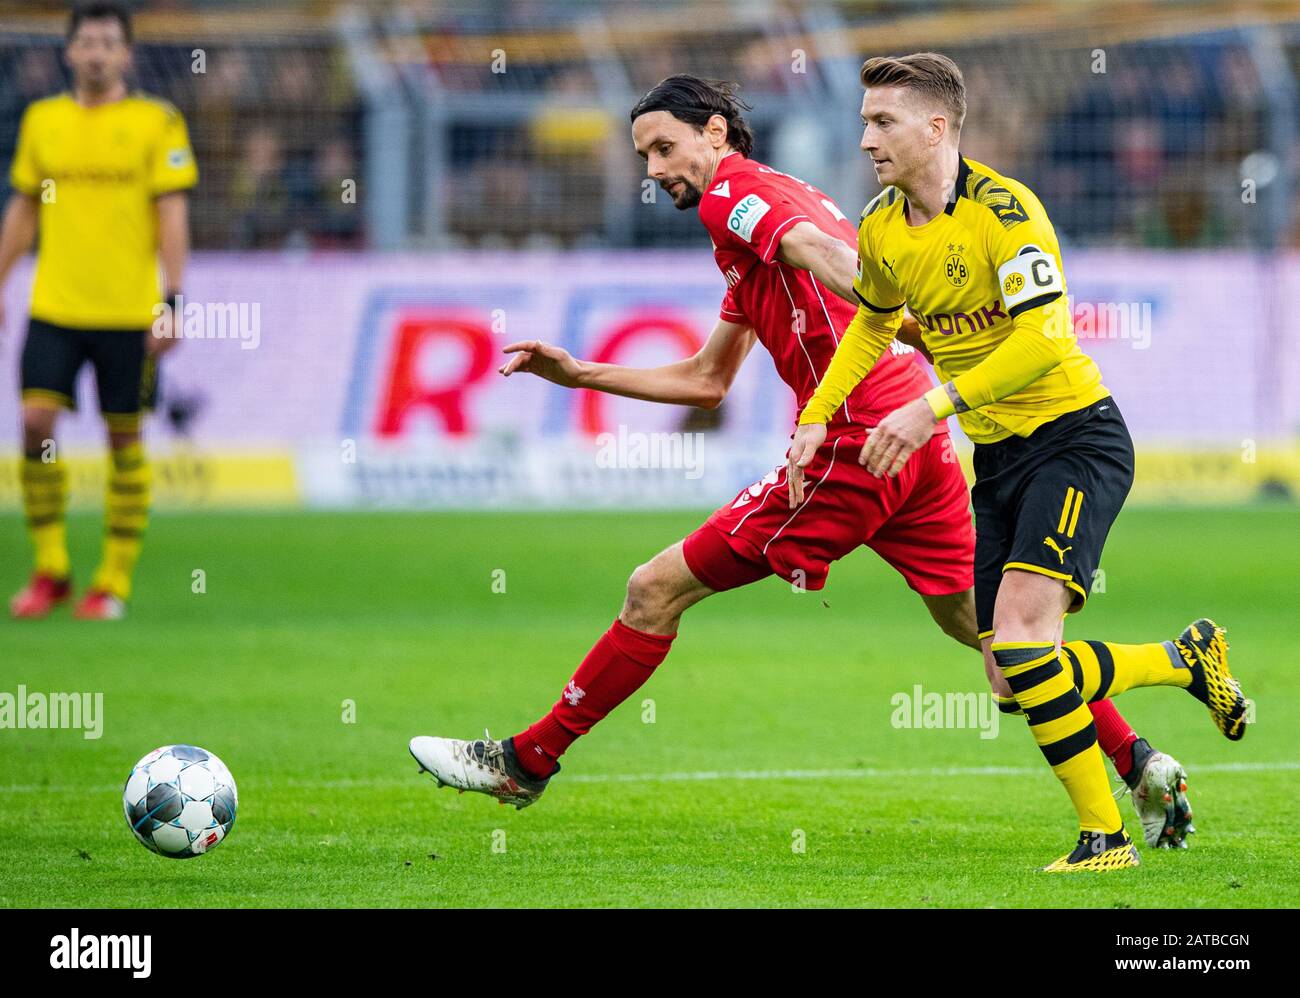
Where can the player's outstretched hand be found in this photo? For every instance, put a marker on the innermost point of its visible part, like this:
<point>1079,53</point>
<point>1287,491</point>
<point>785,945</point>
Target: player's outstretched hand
<point>897,437</point>
<point>545,360</point>
<point>807,441</point>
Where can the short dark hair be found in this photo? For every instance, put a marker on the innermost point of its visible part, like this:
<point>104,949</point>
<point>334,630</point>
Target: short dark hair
<point>695,101</point>
<point>928,73</point>
<point>100,11</point>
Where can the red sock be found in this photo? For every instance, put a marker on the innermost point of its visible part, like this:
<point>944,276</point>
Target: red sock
<point>1114,735</point>
<point>613,670</point>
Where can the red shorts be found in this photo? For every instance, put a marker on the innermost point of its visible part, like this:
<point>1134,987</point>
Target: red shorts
<point>919,522</point>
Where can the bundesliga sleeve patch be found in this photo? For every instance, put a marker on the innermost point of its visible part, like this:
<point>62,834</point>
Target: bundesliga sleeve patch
<point>1029,279</point>
<point>746,215</point>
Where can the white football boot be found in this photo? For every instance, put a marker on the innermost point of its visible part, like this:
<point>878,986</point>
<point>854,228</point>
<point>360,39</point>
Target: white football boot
<point>484,765</point>
<point>1159,787</point>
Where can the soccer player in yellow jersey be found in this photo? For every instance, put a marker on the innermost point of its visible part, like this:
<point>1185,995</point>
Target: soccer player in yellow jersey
<point>102,173</point>
<point>974,258</point>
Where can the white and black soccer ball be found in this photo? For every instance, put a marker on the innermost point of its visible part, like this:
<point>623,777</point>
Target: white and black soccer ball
<point>180,801</point>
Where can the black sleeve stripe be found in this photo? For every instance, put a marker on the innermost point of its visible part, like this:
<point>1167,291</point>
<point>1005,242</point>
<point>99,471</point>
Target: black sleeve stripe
<point>876,308</point>
<point>882,200</point>
<point>1025,306</point>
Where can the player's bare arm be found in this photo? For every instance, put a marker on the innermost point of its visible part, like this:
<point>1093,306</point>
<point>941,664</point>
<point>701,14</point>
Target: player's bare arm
<point>17,235</point>
<point>701,380</point>
<point>173,250</point>
<point>834,263</point>
<point>830,260</point>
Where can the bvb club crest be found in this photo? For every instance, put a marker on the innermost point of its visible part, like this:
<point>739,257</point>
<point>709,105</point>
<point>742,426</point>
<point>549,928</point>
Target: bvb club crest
<point>954,267</point>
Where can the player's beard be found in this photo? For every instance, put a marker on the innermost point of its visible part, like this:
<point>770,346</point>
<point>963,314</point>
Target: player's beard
<point>96,80</point>
<point>688,197</point>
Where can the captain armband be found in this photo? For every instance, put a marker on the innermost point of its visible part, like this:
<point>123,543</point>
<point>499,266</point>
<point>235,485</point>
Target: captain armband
<point>1029,279</point>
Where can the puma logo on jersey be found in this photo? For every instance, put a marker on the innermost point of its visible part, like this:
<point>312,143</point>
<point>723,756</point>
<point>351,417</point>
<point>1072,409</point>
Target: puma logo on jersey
<point>1060,553</point>
<point>889,267</point>
<point>573,693</point>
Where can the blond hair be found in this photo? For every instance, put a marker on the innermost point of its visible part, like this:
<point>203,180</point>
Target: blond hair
<point>933,76</point>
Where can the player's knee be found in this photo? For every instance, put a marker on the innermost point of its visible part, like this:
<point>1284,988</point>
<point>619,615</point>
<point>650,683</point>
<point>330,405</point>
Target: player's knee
<point>653,595</point>
<point>38,429</point>
<point>1022,620</point>
<point>1016,625</point>
<point>645,592</point>
<point>117,439</point>
<point>1029,607</point>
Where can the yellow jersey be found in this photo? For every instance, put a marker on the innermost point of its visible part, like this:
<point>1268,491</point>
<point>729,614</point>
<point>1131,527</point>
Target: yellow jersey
<point>96,172</point>
<point>985,281</point>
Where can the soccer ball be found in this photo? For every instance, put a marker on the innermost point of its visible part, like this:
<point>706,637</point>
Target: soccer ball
<point>180,801</point>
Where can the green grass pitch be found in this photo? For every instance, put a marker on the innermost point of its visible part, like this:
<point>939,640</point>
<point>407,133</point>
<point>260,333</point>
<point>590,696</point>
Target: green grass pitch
<point>398,613</point>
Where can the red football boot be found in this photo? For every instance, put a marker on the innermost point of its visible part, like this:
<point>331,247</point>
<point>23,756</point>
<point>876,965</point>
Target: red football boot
<point>41,595</point>
<point>99,604</point>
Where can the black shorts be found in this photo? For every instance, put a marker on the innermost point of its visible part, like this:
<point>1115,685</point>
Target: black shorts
<point>126,377</point>
<point>1045,503</point>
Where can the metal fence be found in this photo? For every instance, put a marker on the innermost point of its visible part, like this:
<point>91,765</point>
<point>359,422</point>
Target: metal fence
<point>498,123</point>
<point>1175,132</point>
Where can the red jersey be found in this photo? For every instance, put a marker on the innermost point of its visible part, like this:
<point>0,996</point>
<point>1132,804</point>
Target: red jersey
<point>747,209</point>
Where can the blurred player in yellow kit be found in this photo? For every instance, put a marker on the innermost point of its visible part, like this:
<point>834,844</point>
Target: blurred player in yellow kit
<point>102,173</point>
<point>973,256</point>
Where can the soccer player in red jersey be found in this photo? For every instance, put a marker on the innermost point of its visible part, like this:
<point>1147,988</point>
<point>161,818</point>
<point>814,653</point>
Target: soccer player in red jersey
<point>789,257</point>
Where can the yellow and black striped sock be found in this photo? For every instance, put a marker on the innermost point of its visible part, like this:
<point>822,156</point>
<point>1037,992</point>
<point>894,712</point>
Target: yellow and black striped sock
<point>1062,726</point>
<point>45,500</point>
<point>1102,670</point>
<point>126,512</point>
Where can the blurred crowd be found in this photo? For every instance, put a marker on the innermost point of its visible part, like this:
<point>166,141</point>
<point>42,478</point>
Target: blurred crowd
<point>274,129</point>
<point>1151,152</point>
<point>1150,149</point>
